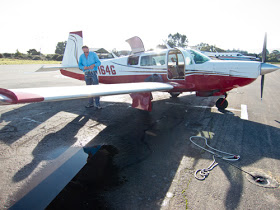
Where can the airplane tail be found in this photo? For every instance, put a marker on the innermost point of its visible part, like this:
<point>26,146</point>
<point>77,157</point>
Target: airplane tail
<point>72,53</point>
<point>73,49</point>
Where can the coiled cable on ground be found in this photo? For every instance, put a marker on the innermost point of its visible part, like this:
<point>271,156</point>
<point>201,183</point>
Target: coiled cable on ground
<point>203,173</point>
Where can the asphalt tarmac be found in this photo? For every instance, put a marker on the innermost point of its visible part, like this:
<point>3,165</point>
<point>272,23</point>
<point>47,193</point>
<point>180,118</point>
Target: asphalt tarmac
<point>143,160</point>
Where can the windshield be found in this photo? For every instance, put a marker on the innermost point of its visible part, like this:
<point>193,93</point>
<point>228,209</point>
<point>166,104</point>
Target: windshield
<point>198,57</point>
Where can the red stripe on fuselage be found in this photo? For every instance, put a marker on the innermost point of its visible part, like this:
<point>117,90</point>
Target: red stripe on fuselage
<point>191,83</point>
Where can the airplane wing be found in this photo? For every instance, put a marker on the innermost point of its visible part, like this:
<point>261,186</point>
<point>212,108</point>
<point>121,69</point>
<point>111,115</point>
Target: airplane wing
<point>28,95</point>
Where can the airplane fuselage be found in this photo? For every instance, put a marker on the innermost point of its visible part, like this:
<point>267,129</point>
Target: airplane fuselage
<point>187,70</point>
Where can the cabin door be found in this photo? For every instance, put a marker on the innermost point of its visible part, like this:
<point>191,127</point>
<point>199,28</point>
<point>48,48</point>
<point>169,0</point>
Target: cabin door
<point>175,65</point>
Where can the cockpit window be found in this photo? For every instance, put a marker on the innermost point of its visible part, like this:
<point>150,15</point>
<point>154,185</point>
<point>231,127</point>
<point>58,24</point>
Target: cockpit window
<point>198,57</point>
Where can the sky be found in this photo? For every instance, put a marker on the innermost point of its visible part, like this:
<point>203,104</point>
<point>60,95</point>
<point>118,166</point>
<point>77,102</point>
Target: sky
<point>40,25</point>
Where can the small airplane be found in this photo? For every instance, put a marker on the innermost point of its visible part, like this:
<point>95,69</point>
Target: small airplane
<point>230,56</point>
<point>174,70</point>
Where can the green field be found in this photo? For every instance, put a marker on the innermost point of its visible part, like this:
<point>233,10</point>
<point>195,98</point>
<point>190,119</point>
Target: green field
<point>277,63</point>
<point>6,61</point>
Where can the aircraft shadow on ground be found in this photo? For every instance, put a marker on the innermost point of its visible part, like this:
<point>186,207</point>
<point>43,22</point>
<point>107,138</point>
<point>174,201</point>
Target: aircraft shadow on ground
<point>151,145</point>
<point>20,121</point>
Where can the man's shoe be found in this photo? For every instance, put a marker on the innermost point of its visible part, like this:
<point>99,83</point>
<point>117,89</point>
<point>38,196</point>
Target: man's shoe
<point>98,107</point>
<point>89,106</point>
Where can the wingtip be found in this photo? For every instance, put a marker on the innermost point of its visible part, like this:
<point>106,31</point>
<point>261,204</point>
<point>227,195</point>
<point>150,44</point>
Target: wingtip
<point>4,100</point>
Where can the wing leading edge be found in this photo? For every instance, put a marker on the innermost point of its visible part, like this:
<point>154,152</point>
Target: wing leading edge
<point>28,95</point>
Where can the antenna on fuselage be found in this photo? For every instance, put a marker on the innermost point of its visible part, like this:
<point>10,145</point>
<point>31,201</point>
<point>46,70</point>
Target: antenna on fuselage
<point>113,54</point>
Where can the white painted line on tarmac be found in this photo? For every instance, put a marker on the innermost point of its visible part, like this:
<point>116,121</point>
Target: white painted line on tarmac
<point>244,113</point>
<point>210,107</point>
<point>203,107</point>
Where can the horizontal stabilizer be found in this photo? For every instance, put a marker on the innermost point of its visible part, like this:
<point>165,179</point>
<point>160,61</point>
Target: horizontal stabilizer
<point>28,95</point>
<point>45,68</point>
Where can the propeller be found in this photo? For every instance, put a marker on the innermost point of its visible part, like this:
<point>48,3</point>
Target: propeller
<point>263,61</point>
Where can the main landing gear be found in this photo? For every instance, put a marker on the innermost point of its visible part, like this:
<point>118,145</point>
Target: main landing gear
<point>222,103</point>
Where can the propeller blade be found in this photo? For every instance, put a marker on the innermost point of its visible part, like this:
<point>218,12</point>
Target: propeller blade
<point>264,49</point>
<point>263,61</point>
<point>262,85</point>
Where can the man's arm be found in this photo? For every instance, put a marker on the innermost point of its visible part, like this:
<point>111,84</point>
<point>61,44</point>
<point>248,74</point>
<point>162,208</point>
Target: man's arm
<point>81,65</point>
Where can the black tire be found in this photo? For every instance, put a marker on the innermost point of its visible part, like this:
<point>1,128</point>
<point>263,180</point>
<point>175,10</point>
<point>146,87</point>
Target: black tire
<point>221,103</point>
<point>174,94</point>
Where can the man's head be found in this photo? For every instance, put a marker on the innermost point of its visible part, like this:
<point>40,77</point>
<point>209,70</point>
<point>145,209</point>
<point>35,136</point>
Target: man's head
<point>85,49</point>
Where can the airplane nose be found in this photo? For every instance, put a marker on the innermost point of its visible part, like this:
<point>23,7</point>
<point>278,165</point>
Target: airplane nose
<point>268,68</point>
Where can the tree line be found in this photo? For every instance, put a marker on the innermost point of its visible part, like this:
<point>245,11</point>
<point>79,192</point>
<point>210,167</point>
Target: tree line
<point>181,40</point>
<point>33,54</point>
<point>174,40</point>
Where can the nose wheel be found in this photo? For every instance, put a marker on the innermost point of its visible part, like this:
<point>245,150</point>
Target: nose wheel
<point>222,103</point>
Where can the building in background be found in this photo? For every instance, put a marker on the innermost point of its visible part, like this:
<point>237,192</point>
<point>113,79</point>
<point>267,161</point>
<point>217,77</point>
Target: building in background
<point>102,53</point>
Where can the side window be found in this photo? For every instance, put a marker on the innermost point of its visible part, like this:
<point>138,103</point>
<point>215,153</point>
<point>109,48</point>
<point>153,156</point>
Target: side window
<point>153,60</point>
<point>145,61</point>
<point>159,60</point>
<point>172,59</point>
<point>180,59</point>
<point>133,60</point>
<point>188,61</point>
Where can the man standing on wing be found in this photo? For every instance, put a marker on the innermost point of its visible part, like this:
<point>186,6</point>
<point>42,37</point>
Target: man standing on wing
<point>89,63</point>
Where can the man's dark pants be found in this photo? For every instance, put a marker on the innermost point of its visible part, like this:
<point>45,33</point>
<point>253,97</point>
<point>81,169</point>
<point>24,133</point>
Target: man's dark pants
<point>92,79</point>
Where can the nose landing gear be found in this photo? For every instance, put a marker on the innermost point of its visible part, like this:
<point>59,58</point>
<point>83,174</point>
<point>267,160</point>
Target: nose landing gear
<point>222,103</point>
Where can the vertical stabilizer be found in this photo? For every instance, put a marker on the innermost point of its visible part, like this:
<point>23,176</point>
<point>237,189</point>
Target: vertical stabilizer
<point>73,49</point>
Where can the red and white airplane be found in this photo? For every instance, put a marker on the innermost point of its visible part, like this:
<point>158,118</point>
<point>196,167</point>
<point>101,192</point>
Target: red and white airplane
<point>174,70</point>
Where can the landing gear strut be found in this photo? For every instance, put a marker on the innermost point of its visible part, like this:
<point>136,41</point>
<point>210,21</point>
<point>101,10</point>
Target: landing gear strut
<point>175,94</point>
<point>222,103</point>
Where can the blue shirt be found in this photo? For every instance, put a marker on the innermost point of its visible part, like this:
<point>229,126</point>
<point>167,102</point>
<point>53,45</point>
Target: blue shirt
<point>87,61</point>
